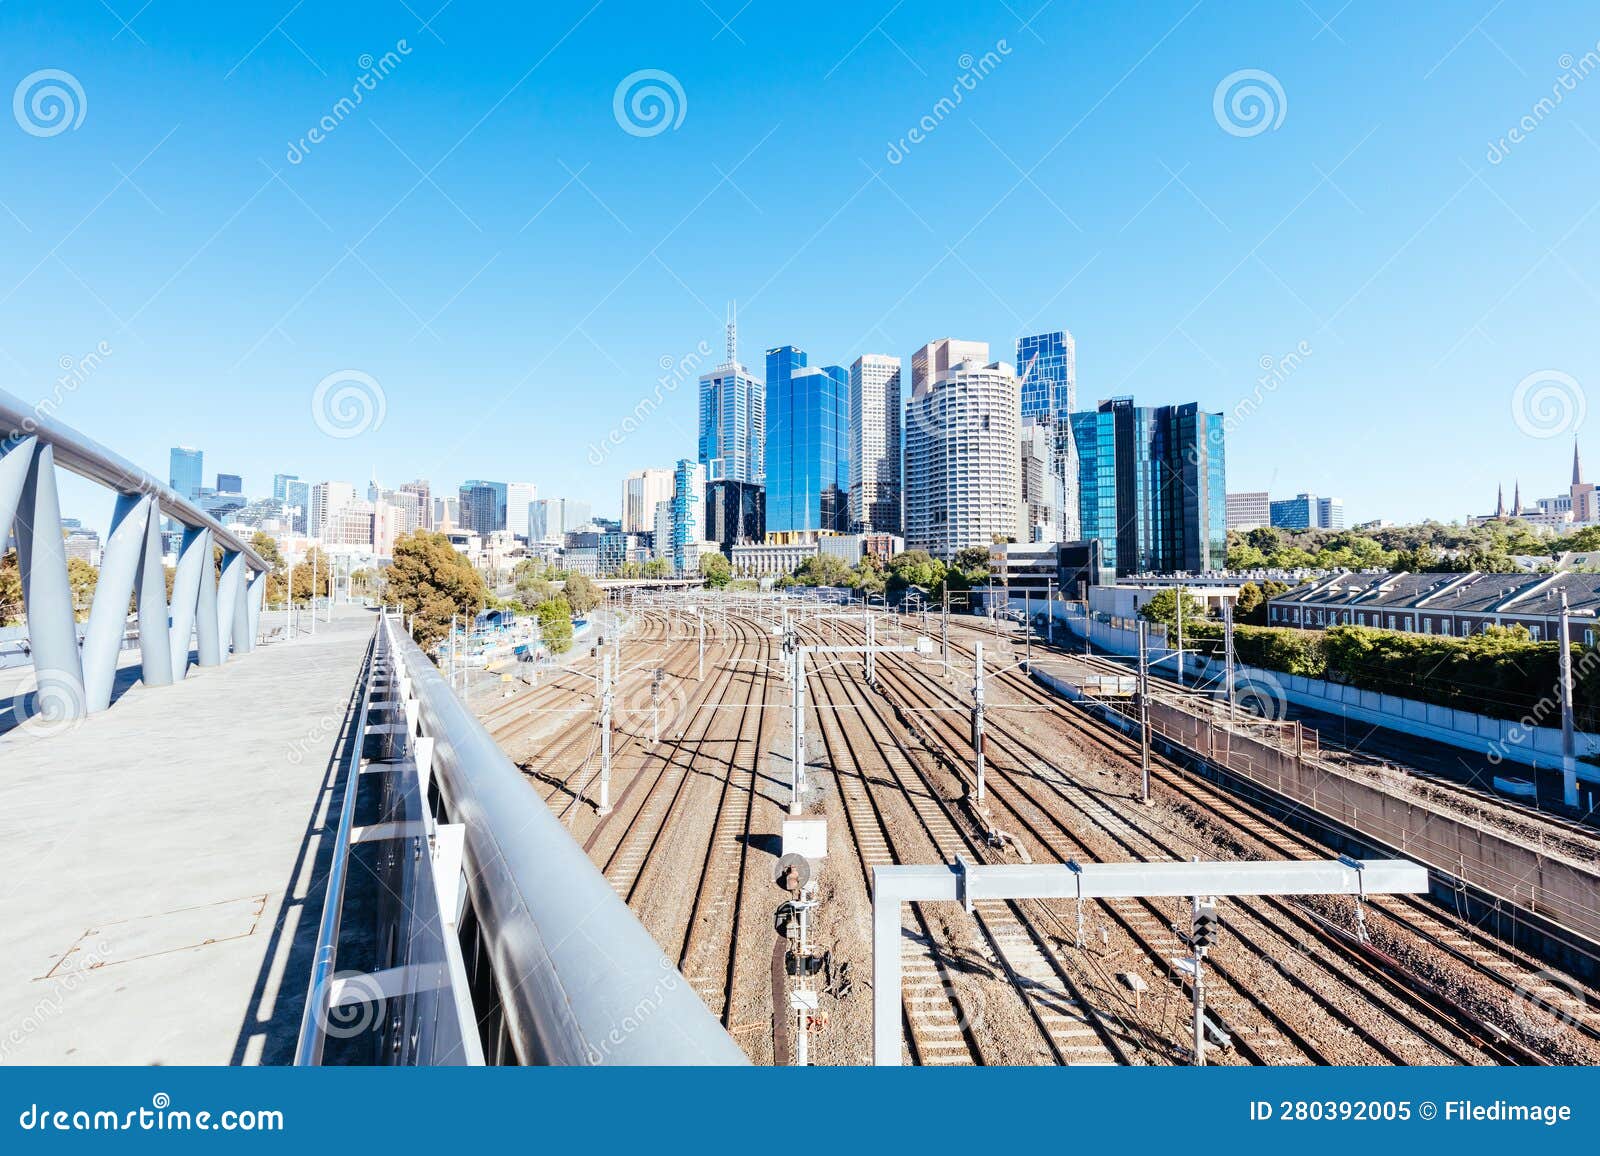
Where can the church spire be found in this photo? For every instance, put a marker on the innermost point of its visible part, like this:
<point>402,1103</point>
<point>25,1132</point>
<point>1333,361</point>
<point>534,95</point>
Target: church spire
<point>1577,466</point>
<point>1500,500</point>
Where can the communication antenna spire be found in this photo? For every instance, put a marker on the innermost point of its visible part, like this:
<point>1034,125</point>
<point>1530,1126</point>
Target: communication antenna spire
<point>733,333</point>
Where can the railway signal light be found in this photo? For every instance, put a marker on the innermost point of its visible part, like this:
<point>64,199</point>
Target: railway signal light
<point>1207,926</point>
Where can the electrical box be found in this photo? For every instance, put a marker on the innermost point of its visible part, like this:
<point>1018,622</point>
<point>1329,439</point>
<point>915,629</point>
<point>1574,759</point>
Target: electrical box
<point>807,836</point>
<point>924,644</point>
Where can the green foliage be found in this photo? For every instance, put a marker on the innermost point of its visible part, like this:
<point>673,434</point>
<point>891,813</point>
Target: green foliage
<point>716,570</point>
<point>824,570</point>
<point>656,568</point>
<point>1163,609</point>
<point>10,590</point>
<point>973,564</point>
<point>581,594</point>
<point>555,624</point>
<point>914,568</point>
<point>82,578</point>
<point>433,581</point>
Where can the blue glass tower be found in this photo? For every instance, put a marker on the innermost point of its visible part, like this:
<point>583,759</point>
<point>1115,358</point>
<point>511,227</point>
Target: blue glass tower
<point>1047,364</point>
<point>732,424</point>
<point>1152,486</point>
<point>808,452</point>
<point>186,471</point>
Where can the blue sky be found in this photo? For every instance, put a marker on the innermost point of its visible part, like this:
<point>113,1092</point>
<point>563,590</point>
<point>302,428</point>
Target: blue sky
<point>482,238</point>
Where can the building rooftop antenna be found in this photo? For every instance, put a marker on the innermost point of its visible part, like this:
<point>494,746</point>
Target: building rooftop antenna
<point>733,332</point>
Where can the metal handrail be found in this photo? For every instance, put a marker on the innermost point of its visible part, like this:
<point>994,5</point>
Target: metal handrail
<point>89,459</point>
<point>579,979</point>
<point>309,1050</point>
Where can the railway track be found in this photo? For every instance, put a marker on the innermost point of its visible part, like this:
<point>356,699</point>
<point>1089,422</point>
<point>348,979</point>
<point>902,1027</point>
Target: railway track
<point>1413,917</point>
<point>1268,1023</point>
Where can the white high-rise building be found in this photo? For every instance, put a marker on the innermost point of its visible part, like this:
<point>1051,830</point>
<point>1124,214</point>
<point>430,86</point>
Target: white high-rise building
<point>641,490</point>
<point>874,437</point>
<point>1041,513</point>
<point>963,471</point>
<point>327,499</point>
<point>519,496</point>
<point>662,529</point>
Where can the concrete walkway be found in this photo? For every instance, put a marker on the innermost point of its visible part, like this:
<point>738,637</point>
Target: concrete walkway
<point>161,863</point>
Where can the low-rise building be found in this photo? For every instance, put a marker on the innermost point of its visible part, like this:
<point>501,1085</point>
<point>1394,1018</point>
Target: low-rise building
<point>771,560</point>
<point>1457,605</point>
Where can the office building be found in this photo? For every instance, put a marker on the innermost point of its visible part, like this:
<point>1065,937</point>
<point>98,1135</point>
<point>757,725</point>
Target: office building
<point>1047,366</point>
<point>661,536</point>
<point>937,357</point>
<point>519,495</point>
<point>874,438</point>
<point>1307,512</point>
<point>186,471</point>
<point>483,506</point>
<point>808,452</point>
<point>230,484</point>
<point>1041,512</point>
<point>963,484</point>
<point>688,515</point>
<point>550,520</point>
<point>735,513</point>
<point>733,422</point>
<point>1249,510</point>
<point>641,490</point>
<point>424,496</point>
<point>1152,486</point>
<point>327,500</point>
<point>447,512</point>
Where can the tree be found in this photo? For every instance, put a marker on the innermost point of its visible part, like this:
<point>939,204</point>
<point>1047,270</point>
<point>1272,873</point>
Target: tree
<point>555,624</point>
<point>973,563</point>
<point>1163,608</point>
<point>915,568</point>
<point>716,570</point>
<point>1250,606</point>
<point>532,591</point>
<point>267,546</point>
<point>10,590</point>
<point>581,594</point>
<point>1246,558</point>
<point>433,582</point>
<point>313,566</point>
<point>824,570</point>
<point>82,578</point>
<point>656,568</point>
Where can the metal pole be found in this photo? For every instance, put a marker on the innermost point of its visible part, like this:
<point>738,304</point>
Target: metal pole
<point>977,715</point>
<point>872,669</point>
<point>1178,601</point>
<point>797,753</point>
<point>1050,610</point>
<point>944,631</point>
<point>1199,993</point>
<point>604,806</point>
<point>452,652</point>
<point>1227,635</point>
<point>1144,712</point>
<point>314,590</point>
<point>1569,765</point>
<point>700,619</point>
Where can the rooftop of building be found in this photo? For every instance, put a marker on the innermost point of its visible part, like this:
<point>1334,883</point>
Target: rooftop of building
<point>1466,593</point>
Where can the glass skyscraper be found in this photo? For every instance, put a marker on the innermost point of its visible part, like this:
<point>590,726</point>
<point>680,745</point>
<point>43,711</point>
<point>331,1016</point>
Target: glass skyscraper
<point>483,506</point>
<point>808,451</point>
<point>1047,364</point>
<point>1152,486</point>
<point>186,471</point>
<point>733,423</point>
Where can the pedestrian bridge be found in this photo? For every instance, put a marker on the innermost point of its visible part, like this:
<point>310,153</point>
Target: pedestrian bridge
<point>230,840</point>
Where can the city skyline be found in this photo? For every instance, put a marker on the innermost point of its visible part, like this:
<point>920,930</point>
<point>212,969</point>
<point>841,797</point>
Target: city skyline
<point>1191,256</point>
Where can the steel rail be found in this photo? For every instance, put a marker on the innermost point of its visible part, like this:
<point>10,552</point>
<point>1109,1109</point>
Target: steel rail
<point>579,979</point>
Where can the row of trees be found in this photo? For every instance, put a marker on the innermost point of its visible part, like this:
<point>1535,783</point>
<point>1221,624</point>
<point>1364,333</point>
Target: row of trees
<point>908,569</point>
<point>1421,548</point>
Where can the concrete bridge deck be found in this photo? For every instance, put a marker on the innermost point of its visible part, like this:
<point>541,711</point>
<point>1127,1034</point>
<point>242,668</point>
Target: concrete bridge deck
<point>161,863</point>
